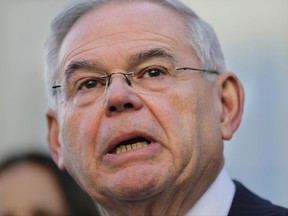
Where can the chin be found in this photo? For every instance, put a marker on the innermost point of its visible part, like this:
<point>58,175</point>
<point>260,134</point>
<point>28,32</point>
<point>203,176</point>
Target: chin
<point>137,183</point>
<point>138,194</point>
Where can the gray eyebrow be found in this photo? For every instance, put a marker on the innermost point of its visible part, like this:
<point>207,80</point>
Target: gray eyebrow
<point>81,64</point>
<point>142,56</point>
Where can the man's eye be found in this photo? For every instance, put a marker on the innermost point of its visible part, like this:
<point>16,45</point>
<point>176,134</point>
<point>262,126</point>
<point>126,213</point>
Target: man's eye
<point>153,72</point>
<point>90,83</point>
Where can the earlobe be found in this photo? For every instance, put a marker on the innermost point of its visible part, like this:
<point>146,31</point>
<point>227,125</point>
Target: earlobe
<point>232,101</point>
<point>53,138</point>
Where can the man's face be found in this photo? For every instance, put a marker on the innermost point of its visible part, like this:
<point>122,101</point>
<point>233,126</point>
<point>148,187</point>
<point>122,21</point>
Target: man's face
<point>177,129</point>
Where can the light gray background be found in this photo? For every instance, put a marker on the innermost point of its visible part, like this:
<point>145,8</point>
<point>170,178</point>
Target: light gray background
<point>254,37</point>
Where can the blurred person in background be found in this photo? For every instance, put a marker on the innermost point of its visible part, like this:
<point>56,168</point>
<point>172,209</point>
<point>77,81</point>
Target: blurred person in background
<point>141,106</point>
<point>32,185</point>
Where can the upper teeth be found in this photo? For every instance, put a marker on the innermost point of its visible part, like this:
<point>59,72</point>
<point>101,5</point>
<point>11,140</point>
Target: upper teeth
<point>123,148</point>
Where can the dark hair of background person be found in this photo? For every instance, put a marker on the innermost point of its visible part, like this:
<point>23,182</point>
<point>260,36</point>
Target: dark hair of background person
<point>77,201</point>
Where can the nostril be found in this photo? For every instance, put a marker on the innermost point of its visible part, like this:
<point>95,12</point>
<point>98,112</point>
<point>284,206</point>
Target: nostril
<point>113,109</point>
<point>128,105</point>
<point>121,108</point>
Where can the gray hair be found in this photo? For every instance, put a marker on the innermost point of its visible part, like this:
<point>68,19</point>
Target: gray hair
<point>201,36</point>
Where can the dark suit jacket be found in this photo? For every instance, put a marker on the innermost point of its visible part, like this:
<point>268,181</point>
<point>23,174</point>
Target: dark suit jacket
<point>245,203</point>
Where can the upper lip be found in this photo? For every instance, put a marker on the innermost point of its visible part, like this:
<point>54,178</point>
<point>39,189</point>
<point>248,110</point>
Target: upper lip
<point>116,140</point>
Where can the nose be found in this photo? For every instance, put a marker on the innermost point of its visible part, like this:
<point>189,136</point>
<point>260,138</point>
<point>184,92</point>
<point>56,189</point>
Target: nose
<point>120,97</point>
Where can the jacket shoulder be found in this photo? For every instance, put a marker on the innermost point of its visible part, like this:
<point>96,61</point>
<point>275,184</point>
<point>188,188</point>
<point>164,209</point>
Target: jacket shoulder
<point>247,203</point>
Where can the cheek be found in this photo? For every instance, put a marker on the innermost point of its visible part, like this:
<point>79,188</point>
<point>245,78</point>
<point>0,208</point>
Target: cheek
<point>78,137</point>
<point>80,127</point>
<point>177,114</point>
<point>189,120</point>
<point>180,111</point>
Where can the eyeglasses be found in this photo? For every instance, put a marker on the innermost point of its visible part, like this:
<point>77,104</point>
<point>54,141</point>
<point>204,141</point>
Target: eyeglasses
<point>88,86</point>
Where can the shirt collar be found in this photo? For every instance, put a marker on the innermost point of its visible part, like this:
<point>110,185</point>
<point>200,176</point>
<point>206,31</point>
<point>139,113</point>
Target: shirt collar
<point>217,199</point>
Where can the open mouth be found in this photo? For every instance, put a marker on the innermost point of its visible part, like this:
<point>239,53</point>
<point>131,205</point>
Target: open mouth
<point>131,144</point>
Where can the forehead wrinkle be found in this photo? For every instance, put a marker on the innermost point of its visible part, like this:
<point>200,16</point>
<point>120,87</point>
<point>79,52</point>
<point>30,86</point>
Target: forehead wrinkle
<point>117,39</point>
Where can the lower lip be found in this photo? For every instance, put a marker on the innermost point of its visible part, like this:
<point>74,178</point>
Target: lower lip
<point>132,156</point>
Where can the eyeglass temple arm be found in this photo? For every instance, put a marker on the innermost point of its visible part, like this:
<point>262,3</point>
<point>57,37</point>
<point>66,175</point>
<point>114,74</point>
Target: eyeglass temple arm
<point>56,86</point>
<point>197,69</point>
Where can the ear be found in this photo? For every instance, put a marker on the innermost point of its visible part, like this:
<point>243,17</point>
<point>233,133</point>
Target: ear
<point>53,138</point>
<point>232,101</point>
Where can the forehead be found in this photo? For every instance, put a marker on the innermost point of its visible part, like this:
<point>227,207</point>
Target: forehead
<point>121,29</point>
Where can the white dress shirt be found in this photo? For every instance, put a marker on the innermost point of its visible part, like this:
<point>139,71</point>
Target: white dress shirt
<point>217,200</point>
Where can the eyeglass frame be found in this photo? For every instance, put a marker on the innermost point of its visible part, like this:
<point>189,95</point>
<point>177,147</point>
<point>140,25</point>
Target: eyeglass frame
<point>108,82</point>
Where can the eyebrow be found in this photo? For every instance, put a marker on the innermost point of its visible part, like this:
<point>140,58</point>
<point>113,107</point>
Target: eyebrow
<point>145,55</point>
<point>82,64</point>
